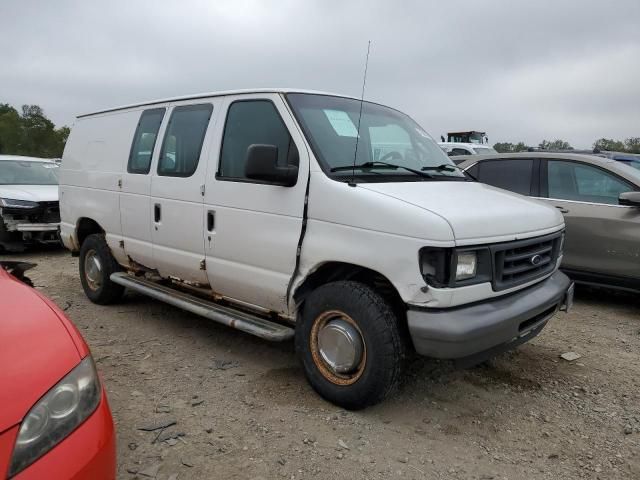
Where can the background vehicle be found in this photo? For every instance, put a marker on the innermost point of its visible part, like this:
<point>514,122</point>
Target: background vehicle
<point>55,421</point>
<point>255,209</point>
<point>471,136</point>
<point>29,208</point>
<point>600,200</point>
<point>631,159</point>
<point>457,148</point>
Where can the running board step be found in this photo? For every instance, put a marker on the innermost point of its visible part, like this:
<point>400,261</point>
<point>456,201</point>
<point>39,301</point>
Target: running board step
<point>243,321</point>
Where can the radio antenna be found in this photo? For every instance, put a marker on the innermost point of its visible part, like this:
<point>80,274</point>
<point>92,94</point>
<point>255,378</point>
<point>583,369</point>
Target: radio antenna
<point>364,83</point>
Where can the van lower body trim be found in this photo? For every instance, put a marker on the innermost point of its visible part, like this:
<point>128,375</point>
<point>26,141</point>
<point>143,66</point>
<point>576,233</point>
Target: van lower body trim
<point>242,321</point>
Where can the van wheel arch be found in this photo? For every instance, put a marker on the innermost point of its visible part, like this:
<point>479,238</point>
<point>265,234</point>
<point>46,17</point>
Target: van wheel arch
<point>85,227</point>
<point>335,271</point>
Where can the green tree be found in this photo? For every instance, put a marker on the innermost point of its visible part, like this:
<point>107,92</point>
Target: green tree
<point>609,144</point>
<point>10,129</point>
<point>506,147</point>
<point>555,145</point>
<point>30,133</point>
<point>632,144</point>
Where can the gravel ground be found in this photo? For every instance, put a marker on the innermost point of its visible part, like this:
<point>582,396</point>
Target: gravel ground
<point>243,409</point>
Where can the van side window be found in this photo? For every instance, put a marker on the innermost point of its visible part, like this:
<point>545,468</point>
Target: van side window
<point>183,139</point>
<point>144,141</point>
<point>251,122</point>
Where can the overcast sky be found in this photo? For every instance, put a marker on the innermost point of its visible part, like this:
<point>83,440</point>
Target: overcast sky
<point>520,70</point>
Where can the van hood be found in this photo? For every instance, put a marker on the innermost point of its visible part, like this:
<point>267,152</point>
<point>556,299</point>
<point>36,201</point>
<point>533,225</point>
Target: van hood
<point>477,213</point>
<point>32,193</point>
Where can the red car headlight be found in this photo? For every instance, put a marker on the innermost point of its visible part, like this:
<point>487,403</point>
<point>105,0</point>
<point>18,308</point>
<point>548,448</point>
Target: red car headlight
<point>69,403</point>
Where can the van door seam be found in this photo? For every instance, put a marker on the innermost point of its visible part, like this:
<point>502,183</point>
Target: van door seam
<point>296,269</point>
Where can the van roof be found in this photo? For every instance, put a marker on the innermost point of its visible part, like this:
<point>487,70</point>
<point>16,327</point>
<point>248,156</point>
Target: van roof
<point>215,94</point>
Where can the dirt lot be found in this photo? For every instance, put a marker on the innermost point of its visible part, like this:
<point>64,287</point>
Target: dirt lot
<point>244,410</point>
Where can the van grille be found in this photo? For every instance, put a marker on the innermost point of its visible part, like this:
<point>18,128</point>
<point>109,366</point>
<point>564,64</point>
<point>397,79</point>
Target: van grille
<point>522,261</point>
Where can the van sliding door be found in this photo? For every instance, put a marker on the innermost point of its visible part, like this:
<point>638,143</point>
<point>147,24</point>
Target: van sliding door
<point>135,205</point>
<point>177,193</point>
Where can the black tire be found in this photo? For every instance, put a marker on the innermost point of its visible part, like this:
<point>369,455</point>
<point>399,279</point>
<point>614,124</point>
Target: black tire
<point>102,291</point>
<point>384,348</point>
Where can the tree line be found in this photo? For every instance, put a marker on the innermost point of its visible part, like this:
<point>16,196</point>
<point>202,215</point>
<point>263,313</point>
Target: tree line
<point>629,145</point>
<point>30,133</point>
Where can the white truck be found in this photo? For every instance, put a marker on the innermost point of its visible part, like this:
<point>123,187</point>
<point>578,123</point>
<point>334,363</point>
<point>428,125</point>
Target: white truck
<point>459,148</point>
<point>284,214</point>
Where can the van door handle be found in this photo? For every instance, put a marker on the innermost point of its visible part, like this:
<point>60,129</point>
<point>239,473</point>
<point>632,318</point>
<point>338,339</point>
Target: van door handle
<point>562,209</point>
<point>157,214</point>
<point>211,220</point>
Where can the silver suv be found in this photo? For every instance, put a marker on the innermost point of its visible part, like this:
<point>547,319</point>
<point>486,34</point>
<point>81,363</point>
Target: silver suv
<point>600,200</point>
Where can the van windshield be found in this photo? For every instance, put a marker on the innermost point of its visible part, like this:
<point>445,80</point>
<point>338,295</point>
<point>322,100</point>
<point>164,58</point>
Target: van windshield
<point>15,172</point>
<point>388,139</point>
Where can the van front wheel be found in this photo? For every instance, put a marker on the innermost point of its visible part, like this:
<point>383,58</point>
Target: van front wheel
<point>96,266</point>
<point>350,345</point>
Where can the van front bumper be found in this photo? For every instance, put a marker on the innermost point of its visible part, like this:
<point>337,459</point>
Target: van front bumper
<point>473,333</point>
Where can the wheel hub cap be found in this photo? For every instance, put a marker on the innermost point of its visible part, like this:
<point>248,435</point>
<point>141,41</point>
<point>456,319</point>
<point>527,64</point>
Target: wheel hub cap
<point>93,270</point>
<point>340,346</point>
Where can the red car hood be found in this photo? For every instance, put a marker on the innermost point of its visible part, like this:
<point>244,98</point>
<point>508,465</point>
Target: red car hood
<point>38,346</point>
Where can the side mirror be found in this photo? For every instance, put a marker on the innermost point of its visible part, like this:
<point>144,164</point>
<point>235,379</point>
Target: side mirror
<point>631,199</point>
<point>262,164</point>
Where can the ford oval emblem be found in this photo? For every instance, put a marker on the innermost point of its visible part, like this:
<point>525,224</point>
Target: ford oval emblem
<point>535,260</point>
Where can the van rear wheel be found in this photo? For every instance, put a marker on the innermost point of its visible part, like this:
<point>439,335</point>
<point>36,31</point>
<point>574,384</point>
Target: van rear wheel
<point>96,266</point>
<point>350,345</point>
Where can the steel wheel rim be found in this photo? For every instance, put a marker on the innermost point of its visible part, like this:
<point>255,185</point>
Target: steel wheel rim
<point>93,270</point>
<point>339,325</point>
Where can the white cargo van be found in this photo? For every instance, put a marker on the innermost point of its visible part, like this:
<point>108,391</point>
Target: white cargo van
<point>265,211</point>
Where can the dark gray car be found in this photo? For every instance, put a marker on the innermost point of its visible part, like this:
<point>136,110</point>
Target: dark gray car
<point>600,200</point>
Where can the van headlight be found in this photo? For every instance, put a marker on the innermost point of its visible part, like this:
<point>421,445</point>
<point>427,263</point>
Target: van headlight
<point>466,265</point>
<point>453,267</point>
<point>69,403</point>
<point>11,203</point>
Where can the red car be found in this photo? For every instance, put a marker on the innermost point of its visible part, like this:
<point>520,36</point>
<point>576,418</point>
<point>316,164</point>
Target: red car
<point>55,421</point>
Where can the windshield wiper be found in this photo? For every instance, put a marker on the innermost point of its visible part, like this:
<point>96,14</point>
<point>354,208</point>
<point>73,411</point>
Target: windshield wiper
<point>380,164</point>
<point>447,167</point>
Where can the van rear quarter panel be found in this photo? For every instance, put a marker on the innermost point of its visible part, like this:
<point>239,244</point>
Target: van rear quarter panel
<point>93,162</point>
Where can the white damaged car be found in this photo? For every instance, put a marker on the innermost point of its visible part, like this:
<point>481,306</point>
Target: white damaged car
<point>29,207</point>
